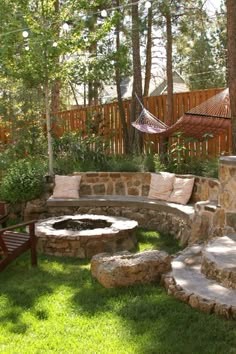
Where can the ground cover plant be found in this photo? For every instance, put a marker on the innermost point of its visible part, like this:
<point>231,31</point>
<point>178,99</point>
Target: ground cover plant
<point>59,308</point>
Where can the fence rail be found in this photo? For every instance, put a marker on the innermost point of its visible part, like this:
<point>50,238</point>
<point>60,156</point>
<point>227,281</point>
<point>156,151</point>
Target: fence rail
<point>105,121</point>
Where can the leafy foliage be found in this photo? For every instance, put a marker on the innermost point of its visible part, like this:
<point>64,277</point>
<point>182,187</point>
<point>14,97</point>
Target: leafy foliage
<point>210,168</point>
<point>200,49</point>
<point>81,151</point>
<point>77,153</point>
<point>23,124</point>
<point>85,54</point>
<point>126,163</point>
<point>178,158</point>
<point>23,181</point>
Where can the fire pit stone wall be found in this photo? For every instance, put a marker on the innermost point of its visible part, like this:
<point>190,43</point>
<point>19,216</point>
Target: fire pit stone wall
<point>105,234</point>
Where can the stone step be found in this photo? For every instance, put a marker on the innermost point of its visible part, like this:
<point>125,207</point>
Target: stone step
<point>219,260</point>
<point>188,284</point>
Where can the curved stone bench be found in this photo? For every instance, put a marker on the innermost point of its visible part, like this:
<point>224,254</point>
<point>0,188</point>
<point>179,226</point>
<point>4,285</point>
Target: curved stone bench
<point>122,201</point>
<point>125,194</point>
<point>163,216</point>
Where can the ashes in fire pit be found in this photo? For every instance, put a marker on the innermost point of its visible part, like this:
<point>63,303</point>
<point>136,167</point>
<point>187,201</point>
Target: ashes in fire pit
<point>78,225</point>
<point>85,235</point>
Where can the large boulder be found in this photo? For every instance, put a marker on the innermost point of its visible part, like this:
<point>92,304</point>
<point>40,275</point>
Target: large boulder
<point>125,269</point>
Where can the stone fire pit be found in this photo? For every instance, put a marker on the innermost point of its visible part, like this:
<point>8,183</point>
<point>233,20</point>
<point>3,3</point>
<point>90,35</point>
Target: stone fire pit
<point>85,235</point>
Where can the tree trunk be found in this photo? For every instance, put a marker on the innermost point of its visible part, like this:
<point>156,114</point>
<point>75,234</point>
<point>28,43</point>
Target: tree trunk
<point>74,93</point>
<point>93,84</point>
<point>169,71</point>
<point>55,93</point>
<point>136,138</point>
<point>164,141</point>
<point>55,96</point>
<point>148,54</point>
<point>231,32</point>
<point>118,88</point>
<point>49,128</point>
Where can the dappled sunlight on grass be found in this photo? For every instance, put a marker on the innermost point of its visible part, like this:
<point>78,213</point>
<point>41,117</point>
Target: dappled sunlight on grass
<point>60,308</point>
<point>155,240</point>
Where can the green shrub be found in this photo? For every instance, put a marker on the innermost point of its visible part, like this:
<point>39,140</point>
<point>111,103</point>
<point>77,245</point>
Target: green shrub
<point>158,164</point>
<point>65,166</point>
<point>23,181</point>
<point>211,168</point>
<point>73,152</point>
<point>149,163</point>
<point>126,163</point>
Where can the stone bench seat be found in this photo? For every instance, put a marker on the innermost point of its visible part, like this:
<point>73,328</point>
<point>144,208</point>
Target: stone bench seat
<point>124,201</point>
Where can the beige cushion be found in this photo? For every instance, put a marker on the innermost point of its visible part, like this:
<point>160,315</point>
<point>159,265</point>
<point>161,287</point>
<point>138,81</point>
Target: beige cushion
<point>66,187</point>
<point>182,190</point>
<point>161,185</point>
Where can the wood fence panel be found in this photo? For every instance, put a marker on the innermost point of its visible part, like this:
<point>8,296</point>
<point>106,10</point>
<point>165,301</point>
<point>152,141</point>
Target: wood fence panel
<point>223,145</point>
<point>229,140</point>
<point>107,118</point>
<point>115,129</point>
<point>176,108</point>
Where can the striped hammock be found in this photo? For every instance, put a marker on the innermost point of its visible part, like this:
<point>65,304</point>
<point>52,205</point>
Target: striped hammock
<point>212,116</point>
<point>148,123</point>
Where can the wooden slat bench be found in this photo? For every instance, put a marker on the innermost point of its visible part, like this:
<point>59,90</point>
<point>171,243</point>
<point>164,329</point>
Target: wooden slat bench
<point>13,243</point>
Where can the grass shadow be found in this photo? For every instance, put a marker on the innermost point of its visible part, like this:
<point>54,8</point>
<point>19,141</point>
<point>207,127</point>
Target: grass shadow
<point>22,286</point>
<point>148,239</point>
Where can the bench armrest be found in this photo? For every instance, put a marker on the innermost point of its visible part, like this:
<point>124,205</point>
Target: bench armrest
<point>26,223</point>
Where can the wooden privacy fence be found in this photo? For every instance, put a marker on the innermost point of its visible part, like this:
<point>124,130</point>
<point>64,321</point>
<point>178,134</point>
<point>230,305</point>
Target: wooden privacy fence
<point>105,121</point>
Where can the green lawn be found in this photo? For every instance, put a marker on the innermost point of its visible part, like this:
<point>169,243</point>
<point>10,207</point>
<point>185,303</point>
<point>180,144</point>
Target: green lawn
<point>59,308</point>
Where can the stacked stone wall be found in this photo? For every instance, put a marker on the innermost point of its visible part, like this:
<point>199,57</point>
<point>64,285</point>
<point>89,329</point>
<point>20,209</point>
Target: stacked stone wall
<point>227,195</point>
<point>137,184</point>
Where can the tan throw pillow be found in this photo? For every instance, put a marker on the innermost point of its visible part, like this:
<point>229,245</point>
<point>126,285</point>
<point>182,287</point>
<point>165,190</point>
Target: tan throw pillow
<point>182,190</point>
<point>66,187</point>
<point>161,185</point>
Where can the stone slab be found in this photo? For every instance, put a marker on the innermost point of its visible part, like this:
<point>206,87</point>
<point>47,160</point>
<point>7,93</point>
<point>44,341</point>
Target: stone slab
<point>186,271</point>
<point>222,250</point>
<point>219,260</point>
